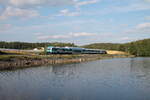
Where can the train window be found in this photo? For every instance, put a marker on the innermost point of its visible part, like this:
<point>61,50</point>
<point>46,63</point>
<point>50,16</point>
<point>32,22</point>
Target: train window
<point>54,49</point>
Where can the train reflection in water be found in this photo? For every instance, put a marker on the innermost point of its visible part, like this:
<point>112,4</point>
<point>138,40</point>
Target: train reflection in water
<point>73,50</point>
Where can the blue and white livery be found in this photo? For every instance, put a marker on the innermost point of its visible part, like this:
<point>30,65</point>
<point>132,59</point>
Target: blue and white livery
<point>73,50</point>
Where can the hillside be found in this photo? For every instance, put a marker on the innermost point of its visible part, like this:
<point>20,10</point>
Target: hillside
<point>107,46</point>
<point>138,48</point>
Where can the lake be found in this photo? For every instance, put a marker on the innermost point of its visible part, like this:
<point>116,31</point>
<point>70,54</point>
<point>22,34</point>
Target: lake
<point>111,79</point>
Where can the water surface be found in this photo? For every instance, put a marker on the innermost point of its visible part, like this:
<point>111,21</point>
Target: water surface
<point>112,79</point>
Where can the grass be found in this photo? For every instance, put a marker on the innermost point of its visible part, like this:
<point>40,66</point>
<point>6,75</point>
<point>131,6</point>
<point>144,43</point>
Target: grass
<point>6,57</point>
<point>56,56</point>
<point>116,52</point>
<point>20,52</point>
<point>22,57</point>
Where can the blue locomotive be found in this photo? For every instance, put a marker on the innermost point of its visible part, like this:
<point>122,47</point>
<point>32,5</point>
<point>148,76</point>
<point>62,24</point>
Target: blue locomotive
<point>73,50</point>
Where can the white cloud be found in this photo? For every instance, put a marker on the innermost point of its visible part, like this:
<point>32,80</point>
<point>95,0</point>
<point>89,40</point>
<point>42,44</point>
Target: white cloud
<point>66,12</point>
<point>47,2</point>
<point>132,7</point>
<point>143,28</point>
<point>20,7</point>
<point>81,34</point>
<point>129,8</point>
<point>38,34</point>
<point>17,12</point>
<point>86,2</point>
<point>65,36</point>
<point>125,38</point>
<point>26,3</point>
<point>52,37</point>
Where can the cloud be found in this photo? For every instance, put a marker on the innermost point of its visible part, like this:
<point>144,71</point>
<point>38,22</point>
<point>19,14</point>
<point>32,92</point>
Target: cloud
<point>143,28</point>
<point>125,38</point>
<point>82,3</point>
<point>38,34</point>
<point>20,8</point>
<point>52,37</point>
<point>17,12</point>
<point>65,36</point>
<point>81,34</point>
<point>129,8</point>
<point>66,12</point>
<point>132,7</point>
<point>34,3</point>
<point>77,3</point>
<point>27,3</point>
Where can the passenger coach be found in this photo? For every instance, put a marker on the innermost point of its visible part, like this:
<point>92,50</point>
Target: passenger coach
<point>73,50</point>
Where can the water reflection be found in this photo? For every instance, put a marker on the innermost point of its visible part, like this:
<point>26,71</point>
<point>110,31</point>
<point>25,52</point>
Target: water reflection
<point>113,79</point>
<point>65,71</point>
<point>140,66</point>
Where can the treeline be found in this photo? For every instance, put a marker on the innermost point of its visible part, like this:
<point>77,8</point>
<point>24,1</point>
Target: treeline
<point>107,46</point>
<point>138,48</point>
<point>26,45</point>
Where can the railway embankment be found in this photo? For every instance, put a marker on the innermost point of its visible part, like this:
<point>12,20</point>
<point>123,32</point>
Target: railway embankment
<point>9,62</point>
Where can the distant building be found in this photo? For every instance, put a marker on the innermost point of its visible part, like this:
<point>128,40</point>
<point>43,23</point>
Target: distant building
<point>39,49</point>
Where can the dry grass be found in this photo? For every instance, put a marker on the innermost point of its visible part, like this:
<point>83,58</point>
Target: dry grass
<point>19,52</point>
<point>116,52</point>
<point>26,57</point>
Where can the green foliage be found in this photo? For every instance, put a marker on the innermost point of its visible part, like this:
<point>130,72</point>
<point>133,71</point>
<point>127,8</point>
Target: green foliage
<point>107,46</point>
<point>138,48</point>
<point>25,45</point>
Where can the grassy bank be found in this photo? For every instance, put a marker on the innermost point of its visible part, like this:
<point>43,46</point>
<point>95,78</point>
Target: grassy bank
<point>24,61</point>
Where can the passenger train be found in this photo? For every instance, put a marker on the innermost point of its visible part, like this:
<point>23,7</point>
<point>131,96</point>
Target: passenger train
<point>73,50</point>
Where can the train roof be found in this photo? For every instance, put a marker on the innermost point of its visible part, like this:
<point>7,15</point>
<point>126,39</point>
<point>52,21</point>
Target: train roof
<point>75,48</point>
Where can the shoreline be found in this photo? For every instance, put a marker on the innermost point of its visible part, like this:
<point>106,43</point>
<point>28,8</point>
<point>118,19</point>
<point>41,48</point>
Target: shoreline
<point>10,62</point>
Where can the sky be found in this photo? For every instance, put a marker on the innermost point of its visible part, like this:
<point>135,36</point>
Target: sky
<point>74,21</point>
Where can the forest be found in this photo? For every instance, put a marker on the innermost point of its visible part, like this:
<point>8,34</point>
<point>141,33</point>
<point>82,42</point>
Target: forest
<point>138,48</point>
<point>26,45</point>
